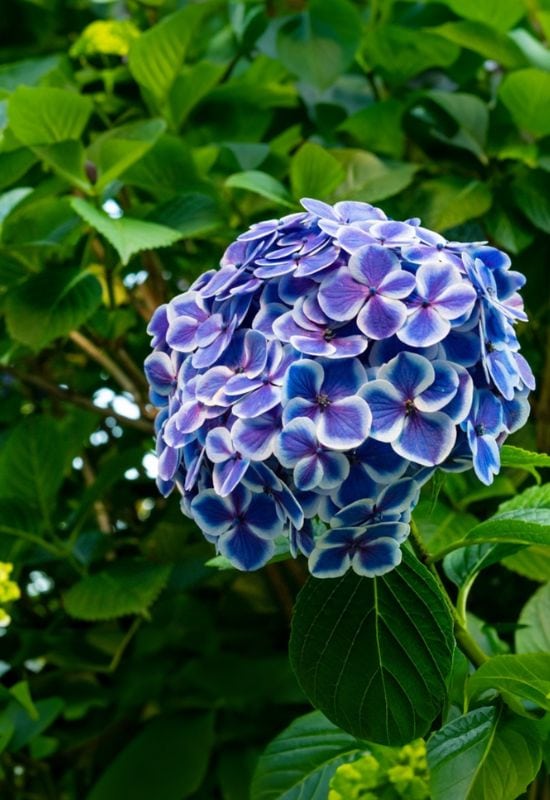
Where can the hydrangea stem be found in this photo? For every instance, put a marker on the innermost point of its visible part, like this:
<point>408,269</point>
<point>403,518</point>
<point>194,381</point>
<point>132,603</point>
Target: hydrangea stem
<point>464,639</point>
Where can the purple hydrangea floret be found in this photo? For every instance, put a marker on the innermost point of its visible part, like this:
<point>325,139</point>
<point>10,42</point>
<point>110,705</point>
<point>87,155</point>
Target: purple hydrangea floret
<point>309,387</point>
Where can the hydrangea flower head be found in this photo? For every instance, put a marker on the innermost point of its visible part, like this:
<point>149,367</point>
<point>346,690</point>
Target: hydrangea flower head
<point>311,385</point>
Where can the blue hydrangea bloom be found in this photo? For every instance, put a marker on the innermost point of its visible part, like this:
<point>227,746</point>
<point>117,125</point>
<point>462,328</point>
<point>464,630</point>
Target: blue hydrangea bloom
<point>312,384</point>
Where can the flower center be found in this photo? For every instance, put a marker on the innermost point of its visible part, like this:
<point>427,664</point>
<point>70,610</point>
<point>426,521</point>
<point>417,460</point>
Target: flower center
<point>328,335</point>
<point>372,291</point>
<point>425,304</point>
<point>480,429</point>
<point>409,407</point>
<point>323,401</point>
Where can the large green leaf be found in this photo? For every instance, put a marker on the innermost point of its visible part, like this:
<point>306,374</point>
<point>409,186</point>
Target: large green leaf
<point>534,561</point>
<point>126,587</point>
<point>526,95</point>
<point>319,44</point>
<point>157,56</point>
<point>484,40</point>
<point>166,760</point>
<point>531,197</point>
<point>378,127</point>
<point>446,202</point>
<point>45,115</point>
<point>191,86</point>
<point>314,172</point>
<point>127,235</point>
<point>521,526</point>
<point>27,727</point>
<point>499,14</point>
<point>117,149</point>
<point>402,52</point>
<point>260,183</point>
<point>190,213</point>
<point>483,755</point>
<point>534,637</point>
<point>526,675</point>
<point>28,72</point>
<point>470,114</point>
<point>300,762</point>
<point>363,649</point>
<point>51,304</point>
<point>370,178</point>
<point>32,463</point>
<point>463,565</point>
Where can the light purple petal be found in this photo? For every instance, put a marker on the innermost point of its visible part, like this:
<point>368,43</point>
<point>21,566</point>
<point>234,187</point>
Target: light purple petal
<point>228,474</point>
<point>351,238</point>
<point>345,423</point>
<point>340,296</point>
<point>300,407</point>
<point>308,473</point>
<point>398,284</point>
<point>219,446</point>
<point>424,327</point>
<point>315,262</point>
<point>255,438</point>
<point>348,346</point>
<point>211,385</point>
<point>409,373</point>
<point>442,390</point>
<point>486,459</point>
<point>381,317</point>
<point>258,402</point>
<point>313,344</point>
<point>181,334</point>
<point>456,300</point>
<point>297,440</point>
<point>371,264</point>
<point>342,379</point>
<point>387,407</point>
<point>335,470</point>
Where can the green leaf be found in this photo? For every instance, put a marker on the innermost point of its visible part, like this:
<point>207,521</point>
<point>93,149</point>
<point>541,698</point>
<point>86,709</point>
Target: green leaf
<point>447,202</point>
<point>525,93</point>
<point>526,675</point>
<point>122,588</point>
<point>114,151</point>
<point>371,179</point>
<point>156,57</point>
<point>517,457</point>
<point>166,760</point>
<point>300,762</point>
<point>361,649</point>
<point>470,114</point>
<point>28,72</point>
<point>23,471</point>
<point>533,562</point>
<point>378,127</point>
<point>40,116</point>
<point>403,52</point>
<point>319,44</point>
<point>127,235</point>
<point>521,526</point>
<point>27,728</point>
<point>462,566</point>
<point>483,755</point>
<point>314,172</point>
<point>507,231</point>
<point>530,195</point>
<point>535,616</point>
<point>501,15</point>
<point>191,86</point>
<point>51,304</point>
<point>440,524</point>
<point>260,183</point>
<point>190,213</point>
<point>484,40</point>
<point>167,168</point>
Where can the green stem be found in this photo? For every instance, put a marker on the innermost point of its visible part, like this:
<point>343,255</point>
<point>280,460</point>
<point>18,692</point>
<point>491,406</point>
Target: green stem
<point>464,639</point>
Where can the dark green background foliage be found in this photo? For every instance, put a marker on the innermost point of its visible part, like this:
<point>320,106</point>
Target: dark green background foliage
<point>132,668</point>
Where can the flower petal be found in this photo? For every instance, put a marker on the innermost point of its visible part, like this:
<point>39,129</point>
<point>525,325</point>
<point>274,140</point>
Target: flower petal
<point>371,264</point>
<point>410,373</point>
<point>340,296</point>
<point>244,550</point>
<point>345,423</point>
<point>329,563</point>
<point>381,317</point>
<point>258,402</point>
<point>426,438</point>
<point>387,408</point>
<point>377,558</point>
<point>303,379</point>
<point>213,514</point>
<point>424,327</point>
<point>219,446</point>
<point>297,440</point>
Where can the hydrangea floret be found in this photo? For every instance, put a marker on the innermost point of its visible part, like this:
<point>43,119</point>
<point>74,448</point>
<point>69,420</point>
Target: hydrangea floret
<point>312,384</point>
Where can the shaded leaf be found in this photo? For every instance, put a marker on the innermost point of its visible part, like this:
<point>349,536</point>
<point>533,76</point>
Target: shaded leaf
<point>300,762</point>
<point>526,675</point>
<point>361,653</point>
<point>166,760</point>
<point>47,115</point>
<point>125,587</point>
<point>260,183</point>
<point>51,304</point>
<point>314,172</point>
<point>114,151</point>
<point>526,95</point>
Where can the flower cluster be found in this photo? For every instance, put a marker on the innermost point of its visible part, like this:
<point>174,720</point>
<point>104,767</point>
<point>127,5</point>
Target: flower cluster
<point>9,591</point>
<point>311,385</point>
